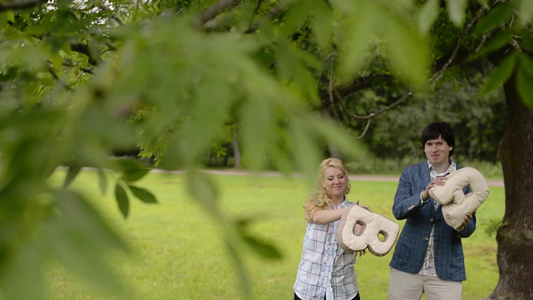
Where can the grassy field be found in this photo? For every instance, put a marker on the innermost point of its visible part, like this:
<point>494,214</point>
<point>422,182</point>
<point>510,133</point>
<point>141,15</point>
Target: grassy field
<point>178,252</point>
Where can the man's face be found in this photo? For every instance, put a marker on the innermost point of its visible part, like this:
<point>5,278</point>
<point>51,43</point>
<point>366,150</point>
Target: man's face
<point>437,151</point>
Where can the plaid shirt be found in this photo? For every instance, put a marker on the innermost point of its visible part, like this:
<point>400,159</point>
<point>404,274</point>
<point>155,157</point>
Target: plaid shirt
<point>325,268</point>
<point>428,268</point>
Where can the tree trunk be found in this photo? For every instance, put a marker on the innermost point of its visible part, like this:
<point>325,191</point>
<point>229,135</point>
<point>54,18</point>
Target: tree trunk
<point>236,151</point>
<point>515,237</point>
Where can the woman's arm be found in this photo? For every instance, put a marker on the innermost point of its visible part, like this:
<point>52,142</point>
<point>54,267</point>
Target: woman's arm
<point>325,216</point>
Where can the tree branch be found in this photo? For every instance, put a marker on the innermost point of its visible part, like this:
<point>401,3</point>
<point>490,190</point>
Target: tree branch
<point>53,73</point>
<point>212,11</point>
<point>270,15</point>
<point>84,49</point>
<point>386,108</point>
<point>87,70</point>
<point>19,5</point>
<point>366,129</point>
<point>256,11</point>
<point>360,82</point>
<point>114,17</point>
<point>451,59</point>
<point>331,86</point>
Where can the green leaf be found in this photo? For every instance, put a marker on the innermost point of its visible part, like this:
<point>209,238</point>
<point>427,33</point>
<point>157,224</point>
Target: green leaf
<point>322,24</point>
<point>80,239</point>
<point>134,175</point>
<point>526,63</point>
<point>456,11</point>
<point>258,125</point>
<point>304,146</point>
<point>9,16</point>
<point>500,75</point>
<point>262,248</point>
<point>102,181</point>
<point>22,277</point>
<point>524,82</point>
<point>296,16</point>
<point>337,136</point>
<point>73,171</point>
<point>428,15</point>
<point>122,200</point>
<point>243,277</point>
<point>208,117</point>
<point>527,41</point>
<point>202,188</point>
<point>408,51</point>
<point>142,194</point>
<point>501,39</point>
<point>499,14</point>
<point>295,66</point>
<point>526,12</point>
<point>128,164</point>
<point>9,74</point>
<point>354,47</point>
<point>132,170</point>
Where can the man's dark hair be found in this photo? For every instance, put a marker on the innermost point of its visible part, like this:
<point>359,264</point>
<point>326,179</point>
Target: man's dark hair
<point>434,130</point>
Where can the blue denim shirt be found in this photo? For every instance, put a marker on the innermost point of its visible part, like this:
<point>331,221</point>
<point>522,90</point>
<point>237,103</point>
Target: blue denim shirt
<point>412,244</point>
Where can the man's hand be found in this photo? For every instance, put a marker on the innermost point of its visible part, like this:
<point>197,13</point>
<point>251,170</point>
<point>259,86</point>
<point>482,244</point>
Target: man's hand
<point>439,181</point>
<point>468,216</point>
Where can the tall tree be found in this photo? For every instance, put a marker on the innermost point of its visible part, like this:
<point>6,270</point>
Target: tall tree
<point>515,236</point>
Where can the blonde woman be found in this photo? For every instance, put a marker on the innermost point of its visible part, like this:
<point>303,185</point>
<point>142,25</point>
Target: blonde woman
<point>326,271</point>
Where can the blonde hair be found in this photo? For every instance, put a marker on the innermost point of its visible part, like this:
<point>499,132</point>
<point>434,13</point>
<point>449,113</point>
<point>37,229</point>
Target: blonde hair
<point>320,199</point>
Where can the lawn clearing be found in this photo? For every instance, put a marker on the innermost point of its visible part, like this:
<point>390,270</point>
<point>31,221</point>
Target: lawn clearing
<point>178,252</point>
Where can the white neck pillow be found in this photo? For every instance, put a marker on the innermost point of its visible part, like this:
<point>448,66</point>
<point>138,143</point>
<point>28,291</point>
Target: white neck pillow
<point>455,203</point>
<point>373,225</point>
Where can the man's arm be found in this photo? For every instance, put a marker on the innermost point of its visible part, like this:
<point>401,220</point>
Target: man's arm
<point>470,226</point>
<point>406,202</point>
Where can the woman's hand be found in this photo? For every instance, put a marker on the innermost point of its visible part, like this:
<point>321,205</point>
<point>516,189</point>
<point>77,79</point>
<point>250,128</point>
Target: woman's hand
<point>363,206</point>
<point>359,252</point>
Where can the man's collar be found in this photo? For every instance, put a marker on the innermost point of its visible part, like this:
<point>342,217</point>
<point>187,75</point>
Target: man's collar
<point>450,169</point>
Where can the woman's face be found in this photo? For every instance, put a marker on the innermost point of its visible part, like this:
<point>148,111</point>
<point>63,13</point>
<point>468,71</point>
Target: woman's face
<point>335,183</point>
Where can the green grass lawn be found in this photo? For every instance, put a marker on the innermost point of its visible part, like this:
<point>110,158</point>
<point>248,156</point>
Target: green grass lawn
<point>178,252</point>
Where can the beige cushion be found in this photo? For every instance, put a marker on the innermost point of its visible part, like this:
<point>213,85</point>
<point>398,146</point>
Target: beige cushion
<point>373,225</point>
<point>455,203</point>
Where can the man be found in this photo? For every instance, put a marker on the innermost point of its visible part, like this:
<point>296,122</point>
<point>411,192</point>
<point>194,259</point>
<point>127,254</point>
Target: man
<point>428,257</point>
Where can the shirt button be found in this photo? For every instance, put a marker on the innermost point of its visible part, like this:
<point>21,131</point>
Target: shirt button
<point>426,238</point>
<point>431,220</point>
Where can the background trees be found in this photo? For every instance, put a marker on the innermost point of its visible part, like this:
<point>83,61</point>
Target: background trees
<point>82,80</point>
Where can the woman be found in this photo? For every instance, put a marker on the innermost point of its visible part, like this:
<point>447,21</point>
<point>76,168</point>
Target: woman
<point>326,271</point>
